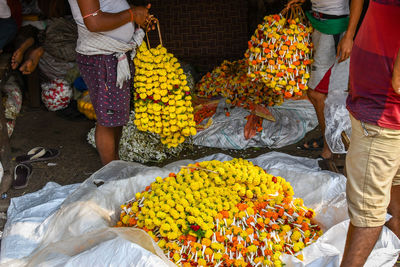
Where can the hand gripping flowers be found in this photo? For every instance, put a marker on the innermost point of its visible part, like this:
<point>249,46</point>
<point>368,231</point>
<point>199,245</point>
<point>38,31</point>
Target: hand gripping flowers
<point>162,98</point>
<point>228,213</point>
<point>279,54</point>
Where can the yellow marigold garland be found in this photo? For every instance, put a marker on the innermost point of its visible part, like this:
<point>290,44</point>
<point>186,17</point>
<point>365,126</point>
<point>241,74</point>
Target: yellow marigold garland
<point>162,98</point>
<point>228,213</point>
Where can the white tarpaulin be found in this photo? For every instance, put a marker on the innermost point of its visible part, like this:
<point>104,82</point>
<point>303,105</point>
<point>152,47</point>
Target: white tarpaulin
<point>293,120</point>
<point>73,225</point>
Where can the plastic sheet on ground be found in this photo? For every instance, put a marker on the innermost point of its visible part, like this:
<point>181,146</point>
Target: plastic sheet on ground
<point>72,225</point>
<point>293,120</point>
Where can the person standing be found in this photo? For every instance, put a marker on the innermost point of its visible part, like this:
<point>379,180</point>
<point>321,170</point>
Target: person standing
<point>334,24</point>
<point>106,45</point>
<point>373,159</point>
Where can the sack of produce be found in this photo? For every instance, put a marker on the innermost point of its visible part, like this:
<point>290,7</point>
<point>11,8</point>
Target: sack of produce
<point>162,97</point>
<point>56,94</point>
<point>279,54</point>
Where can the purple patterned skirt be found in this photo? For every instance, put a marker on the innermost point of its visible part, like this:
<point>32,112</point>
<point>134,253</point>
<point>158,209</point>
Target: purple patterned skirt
<point>110,103</point>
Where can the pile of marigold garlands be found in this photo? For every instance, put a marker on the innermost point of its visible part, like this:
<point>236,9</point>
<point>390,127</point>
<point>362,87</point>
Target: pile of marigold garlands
<point>279,54</point>
<point>162,98</point>
<point>230,81</point>
<point>228,213</point>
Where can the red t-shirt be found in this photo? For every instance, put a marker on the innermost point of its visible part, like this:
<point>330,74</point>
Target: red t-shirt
<point>371,97</point>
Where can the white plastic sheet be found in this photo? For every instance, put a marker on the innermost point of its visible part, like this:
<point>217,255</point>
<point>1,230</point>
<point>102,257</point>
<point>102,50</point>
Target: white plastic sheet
<point>72,225</point>
<point>293,120</point>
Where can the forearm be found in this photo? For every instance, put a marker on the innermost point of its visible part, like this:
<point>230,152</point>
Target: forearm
<point>98,21</point>
<point>103,22</point>
<point>355,13</point>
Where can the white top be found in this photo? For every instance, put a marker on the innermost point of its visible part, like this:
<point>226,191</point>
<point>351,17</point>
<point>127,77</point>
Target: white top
<point>331,7</point>
<point>5,11</point>
<point>123,33</point>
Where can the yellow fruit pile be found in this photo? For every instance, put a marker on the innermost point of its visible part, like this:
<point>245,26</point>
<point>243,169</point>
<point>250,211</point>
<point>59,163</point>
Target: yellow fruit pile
<point>162,98</point>
<point>279,54</point>
<point>85,106</point>
<point>230,213</point>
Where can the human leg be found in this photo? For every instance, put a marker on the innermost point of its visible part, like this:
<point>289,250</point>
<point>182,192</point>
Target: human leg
<point>359,243</point>
<point>111,104</point>
<point>25,41</point>
<point>371,163</point>
<point>324,58</point>
<point>318,101</point>
<point>18,54</point>
<point>394,206</point>
<point>32,61</point>
<point>105,138</point>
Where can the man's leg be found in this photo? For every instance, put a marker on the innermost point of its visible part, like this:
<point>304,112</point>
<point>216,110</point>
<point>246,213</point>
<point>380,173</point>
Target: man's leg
<point>359,244</point>
<point>394,210</point>
<point>105,143</point>
<point>372,162</point>
<point>318,101</point>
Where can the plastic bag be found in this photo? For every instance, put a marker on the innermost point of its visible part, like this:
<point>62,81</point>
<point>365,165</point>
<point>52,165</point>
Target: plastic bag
<point>337,117</point>
<point>56,95</point>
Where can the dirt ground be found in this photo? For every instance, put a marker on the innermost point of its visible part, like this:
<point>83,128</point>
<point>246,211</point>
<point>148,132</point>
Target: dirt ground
<point>77,159</point>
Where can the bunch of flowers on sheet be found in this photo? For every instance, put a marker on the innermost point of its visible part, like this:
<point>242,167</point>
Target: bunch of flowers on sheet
<point>230,81</point>
<point>279,54</point>
<point>229,213</point>
<point>162,97</point>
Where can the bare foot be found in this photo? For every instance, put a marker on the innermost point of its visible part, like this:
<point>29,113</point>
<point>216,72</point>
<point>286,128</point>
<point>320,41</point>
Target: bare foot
<point>19,53</point>
<point>31,62</point>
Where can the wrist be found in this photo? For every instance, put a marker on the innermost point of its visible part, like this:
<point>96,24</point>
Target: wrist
<point>131,14</point>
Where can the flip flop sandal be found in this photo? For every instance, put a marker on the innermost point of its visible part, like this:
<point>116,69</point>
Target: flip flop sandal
<point>38,154</point>
<point>22,172</point>
<point>319,141</point>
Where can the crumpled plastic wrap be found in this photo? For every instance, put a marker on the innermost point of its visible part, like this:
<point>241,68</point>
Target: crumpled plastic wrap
<point>337,117</point>
<point>72,225</point>
<point>56,94</point>
<point>293,120</point>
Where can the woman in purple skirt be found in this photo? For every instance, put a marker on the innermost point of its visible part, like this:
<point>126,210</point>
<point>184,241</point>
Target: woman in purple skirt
<point>106,45</point>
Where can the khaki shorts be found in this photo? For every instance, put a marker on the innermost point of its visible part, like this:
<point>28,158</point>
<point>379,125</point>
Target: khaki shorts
<point>373,166</point>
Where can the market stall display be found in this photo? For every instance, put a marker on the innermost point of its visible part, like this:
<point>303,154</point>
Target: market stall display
<point>72,225</point>
<point>279,55</point>
<point>223,213</point>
